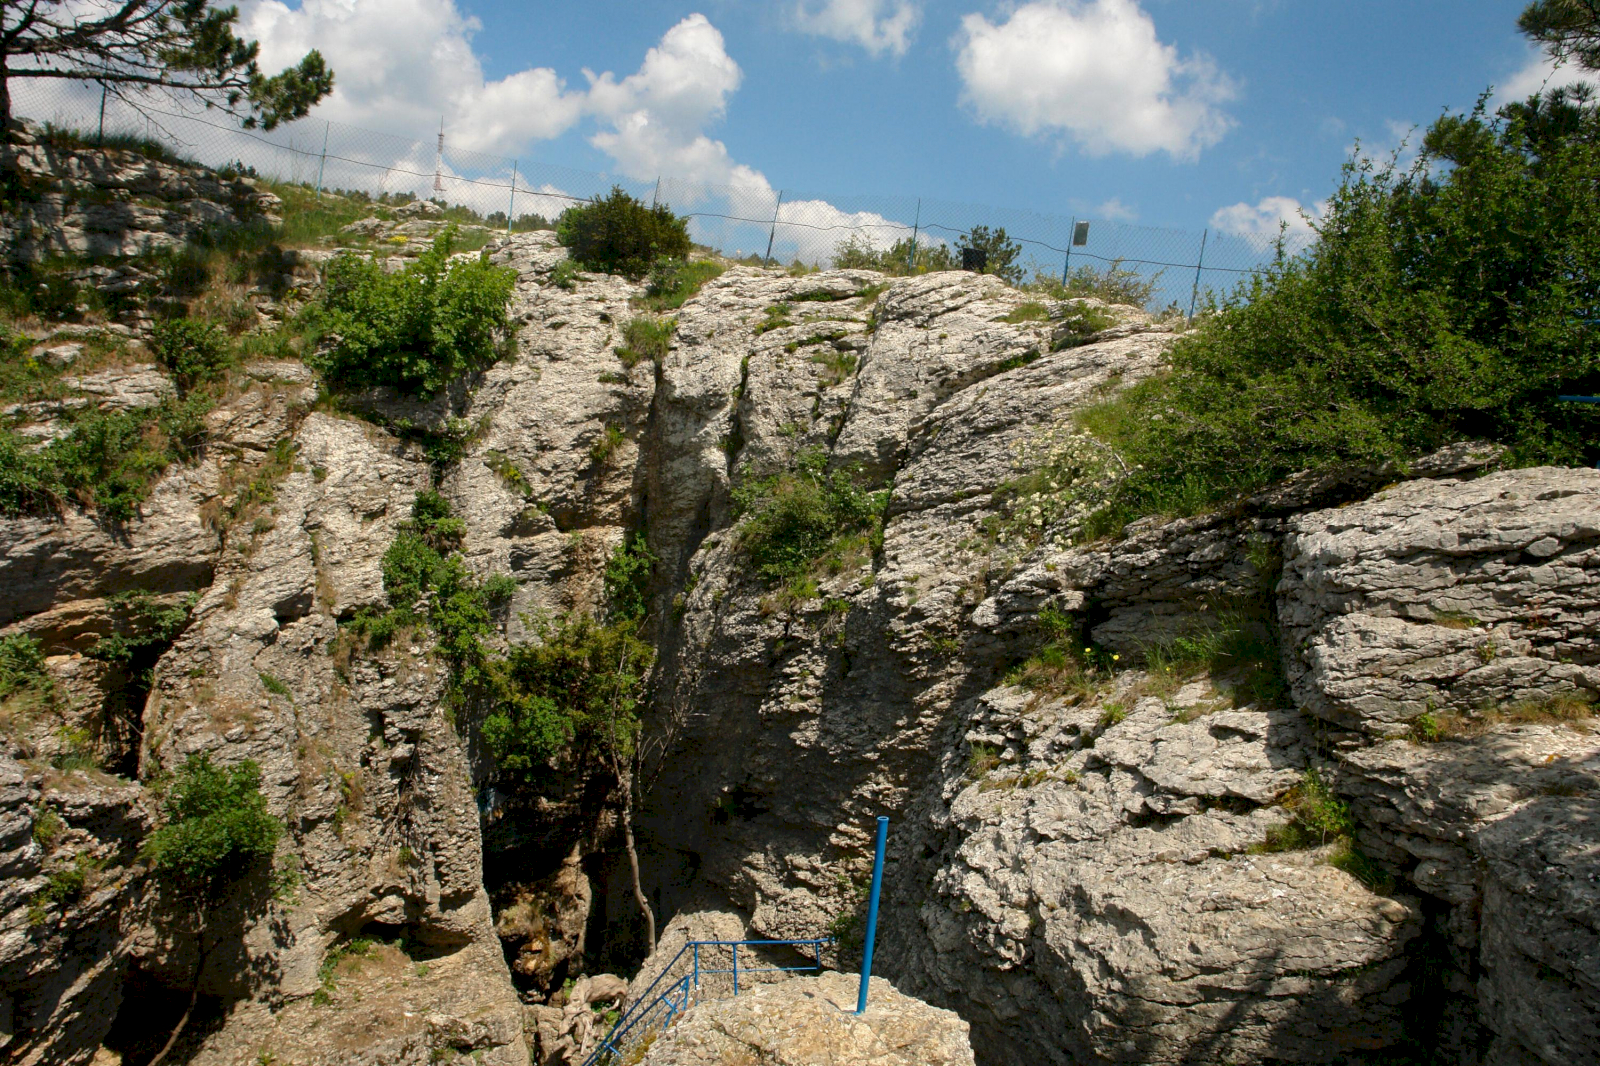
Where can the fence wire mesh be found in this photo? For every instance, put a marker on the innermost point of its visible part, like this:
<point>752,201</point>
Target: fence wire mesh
<point>752,220</point>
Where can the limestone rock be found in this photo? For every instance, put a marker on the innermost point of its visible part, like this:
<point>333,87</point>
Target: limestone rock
<point>1440,597</point>
<point>67,847</point>
<point>812,1022</point>
<point>1094,897</point>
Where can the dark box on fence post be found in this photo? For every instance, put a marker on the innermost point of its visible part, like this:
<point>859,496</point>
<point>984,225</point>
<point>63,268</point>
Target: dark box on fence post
<point>974,259</point>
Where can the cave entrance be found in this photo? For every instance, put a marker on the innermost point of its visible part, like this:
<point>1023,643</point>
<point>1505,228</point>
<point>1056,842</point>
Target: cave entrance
<point>149,1013</point>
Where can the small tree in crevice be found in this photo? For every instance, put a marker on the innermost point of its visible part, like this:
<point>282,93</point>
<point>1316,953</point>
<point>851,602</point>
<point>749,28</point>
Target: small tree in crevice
<point>574,694</point>
<point>215,831</point>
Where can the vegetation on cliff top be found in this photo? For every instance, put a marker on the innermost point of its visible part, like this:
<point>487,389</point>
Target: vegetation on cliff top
<point>620,235</point>
<point>1452,300</point>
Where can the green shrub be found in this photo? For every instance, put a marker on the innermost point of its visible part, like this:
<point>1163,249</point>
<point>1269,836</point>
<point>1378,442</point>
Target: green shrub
<point>109,461</point>
<point>1441,303</point>
<point>646,338</point>
<point>565,275</point>
<point>417,330</point>
<point>21,665</point>
<point>149,624</point>
<point>1029,311</point>
<point>1002,252</point>
<point>424,561</point>
<point>575,688</point>
<point>620,235</point>
<point>194,352</point>
<point>899,259</point>
<point>627,578</point>
<point>606,445</point>
<point>1114,284</point>
<point>1320,817</point>
<point>215,827</point>
<point>791,519</point>
<point>674,281</point>
<point>1235,647</point>
<point>1079,323</point>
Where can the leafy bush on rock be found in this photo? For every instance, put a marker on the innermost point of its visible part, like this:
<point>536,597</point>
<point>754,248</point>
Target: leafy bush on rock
<point>416,330</point>
<point>1449,301</point>
<point>620,235</point>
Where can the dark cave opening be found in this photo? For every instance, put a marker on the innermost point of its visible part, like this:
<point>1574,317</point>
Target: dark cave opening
<point>151,1010</point>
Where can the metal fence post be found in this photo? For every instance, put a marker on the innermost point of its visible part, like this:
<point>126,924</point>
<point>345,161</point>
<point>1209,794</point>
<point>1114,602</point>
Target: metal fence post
<point>911,264</point>
<point>1194,294</point>
<point>655,197</point>
<point>103,90</point>
<point>323,162</point>
<point>736,967</point>
<point>511,207</point>
<point>1066,267</point>
<point>872,915</point>
<point>697,965</point>
<point>773,232</point>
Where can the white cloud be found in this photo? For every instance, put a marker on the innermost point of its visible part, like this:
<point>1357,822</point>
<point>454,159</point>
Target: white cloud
<point>1263,220</point>
<point>402,65</point>
<point>877,25</point>
<point>1114,210</point>
<point>1540,73</point>
<point>814,228</point>
<point>659,114</point>
<point>1094,72</point>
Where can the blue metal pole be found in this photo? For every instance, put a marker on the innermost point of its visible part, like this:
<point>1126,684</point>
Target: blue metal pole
<point>736,967</point>
<point>872,915</point>
<point>697,965</point>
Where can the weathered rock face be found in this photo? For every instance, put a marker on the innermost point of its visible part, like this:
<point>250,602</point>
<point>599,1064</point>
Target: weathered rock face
<point>1469,608</point>
<point>1087,877</point>
<point>114,203</point>
<point>1440,598</point>
<point>812,1022</point>
<point>67,844</point>
<point>806,720</point>
<point>1099,879</point>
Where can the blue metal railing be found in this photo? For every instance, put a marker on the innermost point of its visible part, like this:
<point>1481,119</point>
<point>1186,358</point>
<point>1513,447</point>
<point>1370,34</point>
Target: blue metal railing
<point>677,996</point>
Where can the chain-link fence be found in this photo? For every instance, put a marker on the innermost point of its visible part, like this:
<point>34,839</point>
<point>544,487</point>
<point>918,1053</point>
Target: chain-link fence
<point>752,220</point>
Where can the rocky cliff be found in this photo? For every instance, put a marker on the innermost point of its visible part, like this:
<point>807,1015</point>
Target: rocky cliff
<point>1323,790</point>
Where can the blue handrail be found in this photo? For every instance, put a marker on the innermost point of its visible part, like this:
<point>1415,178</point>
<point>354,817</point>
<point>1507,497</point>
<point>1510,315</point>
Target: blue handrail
<point>677,996</point>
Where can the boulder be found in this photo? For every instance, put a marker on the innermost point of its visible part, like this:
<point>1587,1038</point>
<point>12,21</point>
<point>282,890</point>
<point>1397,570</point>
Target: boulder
<point>811,1021</point>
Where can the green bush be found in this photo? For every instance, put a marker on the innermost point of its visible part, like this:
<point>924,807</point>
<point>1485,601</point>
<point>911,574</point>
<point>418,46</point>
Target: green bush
<point>1320,817</point>
<point>417,330</point>
<point>149,624</point>
<point>575,688</point>
<point>1451,301</point>
<point>215,827</point>
<point>674,281</point>
<point>21,665</point>
<point>108,462</point>
<point>899,259</point>
<point>1002,252</point>
<point>620,235</point>
<point>424,561</point>
<point>793,518</point>
<point>627,578</point>
<point>646,338</point>
<point>1115,284</point>
<point>193,352</point>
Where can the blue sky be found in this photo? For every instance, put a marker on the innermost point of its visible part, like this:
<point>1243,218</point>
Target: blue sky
<point>1182,113</point>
